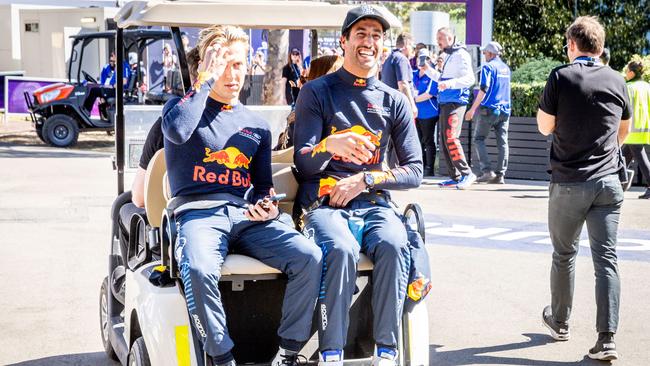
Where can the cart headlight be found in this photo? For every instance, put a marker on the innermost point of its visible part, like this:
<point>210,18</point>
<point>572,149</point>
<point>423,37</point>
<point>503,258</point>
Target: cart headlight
<point>50,96</point>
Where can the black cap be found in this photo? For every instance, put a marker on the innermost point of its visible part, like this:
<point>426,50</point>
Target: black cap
<point>362,12</point>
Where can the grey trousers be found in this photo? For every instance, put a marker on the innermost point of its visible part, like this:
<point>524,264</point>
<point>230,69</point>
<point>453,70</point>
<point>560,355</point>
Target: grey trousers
<point>598,203</point>
<point>486,120</point>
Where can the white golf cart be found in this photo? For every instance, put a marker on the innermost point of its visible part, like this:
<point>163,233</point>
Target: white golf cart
<point>143,317</point>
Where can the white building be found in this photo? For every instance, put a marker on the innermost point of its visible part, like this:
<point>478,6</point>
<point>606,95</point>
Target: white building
<point>36,36</point>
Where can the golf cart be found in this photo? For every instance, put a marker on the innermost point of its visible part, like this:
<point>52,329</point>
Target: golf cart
<point>143,314</point>
<point>57,111</point>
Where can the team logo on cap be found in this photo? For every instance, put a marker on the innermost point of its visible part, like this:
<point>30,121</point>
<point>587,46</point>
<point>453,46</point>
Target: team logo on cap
<point>367,9</point>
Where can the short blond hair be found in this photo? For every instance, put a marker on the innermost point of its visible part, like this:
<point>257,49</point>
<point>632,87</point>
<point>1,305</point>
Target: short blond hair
<point>588,34</point>
<point>221,34</point>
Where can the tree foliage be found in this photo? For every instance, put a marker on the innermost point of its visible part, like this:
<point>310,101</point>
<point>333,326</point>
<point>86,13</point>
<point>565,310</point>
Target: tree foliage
<point>535,70</point>
<point>530,29</point>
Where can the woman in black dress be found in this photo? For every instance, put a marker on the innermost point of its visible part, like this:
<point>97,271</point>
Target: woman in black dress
<point>291,73</point>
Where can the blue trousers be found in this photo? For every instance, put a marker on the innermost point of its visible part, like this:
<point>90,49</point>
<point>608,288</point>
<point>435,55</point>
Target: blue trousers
<point>204,239</point>
<point>385,243</point>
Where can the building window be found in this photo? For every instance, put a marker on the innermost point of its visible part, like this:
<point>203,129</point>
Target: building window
<point>31,27</point>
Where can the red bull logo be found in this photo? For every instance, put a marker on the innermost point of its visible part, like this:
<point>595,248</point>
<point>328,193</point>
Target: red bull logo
<point>375,139</point>
<point>360,82</point>
<point>226,108</point>
<point>231,157</point>
<point>325,186</point>
<point>419,288</point>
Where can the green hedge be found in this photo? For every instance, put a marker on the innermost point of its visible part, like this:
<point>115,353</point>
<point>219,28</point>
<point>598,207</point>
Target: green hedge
<point>525,98</point>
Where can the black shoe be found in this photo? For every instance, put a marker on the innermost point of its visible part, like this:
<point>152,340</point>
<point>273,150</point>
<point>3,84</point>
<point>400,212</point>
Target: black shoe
<point>486,177</point>
<point>646,195</point>
<point>605,348</point>
<point>498,179</point>
<point>284,358</point>
<point>559,331</point>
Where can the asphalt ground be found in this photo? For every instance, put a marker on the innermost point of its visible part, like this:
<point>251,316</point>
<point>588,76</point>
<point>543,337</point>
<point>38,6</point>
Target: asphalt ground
<point>488,253</point>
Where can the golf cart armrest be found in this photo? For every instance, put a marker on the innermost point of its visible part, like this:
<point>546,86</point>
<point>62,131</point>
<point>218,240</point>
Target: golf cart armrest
<point>168,238</point>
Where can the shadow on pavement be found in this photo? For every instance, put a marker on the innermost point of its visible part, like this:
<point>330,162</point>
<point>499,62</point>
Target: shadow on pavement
<point>96,359</point>
<point>10,153</point>
<point>477,356</point>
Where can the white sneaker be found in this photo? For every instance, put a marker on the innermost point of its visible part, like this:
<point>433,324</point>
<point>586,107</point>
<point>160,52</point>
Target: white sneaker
<point>384,357</point>
<point>285,358</point>
<point>333,357</point>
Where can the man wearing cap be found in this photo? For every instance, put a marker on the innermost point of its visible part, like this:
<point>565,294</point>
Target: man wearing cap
<point>493,106</point>
<point>344,121</point>
<point>454,83</point>
<point>426,99</point>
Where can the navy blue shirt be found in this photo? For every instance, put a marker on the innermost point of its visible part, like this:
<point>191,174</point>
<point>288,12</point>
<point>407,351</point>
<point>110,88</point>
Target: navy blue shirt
<point>396,68</point>
<point>341,102</point>
<point>424,84</point>
<point>211,147</point>
<point>495,82</point>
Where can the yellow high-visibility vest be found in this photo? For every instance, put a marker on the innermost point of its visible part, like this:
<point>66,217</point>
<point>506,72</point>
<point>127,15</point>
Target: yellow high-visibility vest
<point>639,91</point>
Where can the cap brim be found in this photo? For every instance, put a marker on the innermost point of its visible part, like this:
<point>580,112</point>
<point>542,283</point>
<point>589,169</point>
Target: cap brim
<point>384,23</point>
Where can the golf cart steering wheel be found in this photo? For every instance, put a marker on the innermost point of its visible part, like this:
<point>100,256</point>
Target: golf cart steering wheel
<point>89,78</point>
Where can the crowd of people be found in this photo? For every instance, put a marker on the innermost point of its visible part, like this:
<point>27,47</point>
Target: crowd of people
<point>352,112</point>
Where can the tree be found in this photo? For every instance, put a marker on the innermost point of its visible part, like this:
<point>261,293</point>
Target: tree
<point>531,29</point>
<point>277,58</point>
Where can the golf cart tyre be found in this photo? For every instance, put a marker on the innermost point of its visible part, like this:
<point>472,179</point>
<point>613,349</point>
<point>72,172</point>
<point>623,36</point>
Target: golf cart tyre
<point>104,320</point>
<point>61,130</point>
<point>138,355</point>
<point>39,133</point>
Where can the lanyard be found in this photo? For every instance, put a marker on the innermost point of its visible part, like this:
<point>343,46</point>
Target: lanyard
<point>586,60</point>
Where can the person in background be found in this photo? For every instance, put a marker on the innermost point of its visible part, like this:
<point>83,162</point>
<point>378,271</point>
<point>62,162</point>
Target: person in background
<point>605,56</point>
<point>186,42</point>
<point>426,90</point>
<point>107,80</point>
<point>585,105</point>
<point>639,138</point>
<point>414,59</point>
<point>396,71</point>
<point>321,66</point>
<point>453,95</point>
<point>291,75</point>
<point>258,66</point>
<point>493,106</point>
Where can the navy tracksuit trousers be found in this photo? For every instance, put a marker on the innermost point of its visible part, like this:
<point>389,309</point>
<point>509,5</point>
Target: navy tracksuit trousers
<point>385,243</point>
<point>204,239</point>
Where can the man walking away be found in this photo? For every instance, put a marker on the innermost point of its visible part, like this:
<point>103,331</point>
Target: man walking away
<point>456,79</point>
<point>585,106</point>
<point>493,105</point>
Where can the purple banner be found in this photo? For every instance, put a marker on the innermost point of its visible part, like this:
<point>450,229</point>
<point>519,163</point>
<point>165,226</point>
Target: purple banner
<point>3,75</point>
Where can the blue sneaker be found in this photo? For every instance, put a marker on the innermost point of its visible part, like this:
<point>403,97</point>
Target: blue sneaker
<point>450,183</point>
<point>331,357</point>
<point>384,357</point>
<point>466,181</point>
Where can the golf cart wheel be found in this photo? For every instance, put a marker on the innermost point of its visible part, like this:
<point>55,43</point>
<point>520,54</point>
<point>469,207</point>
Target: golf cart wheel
<point>138,355</point>
<point>414,218</point>
<point>61,130</point>
<point>104,323</point>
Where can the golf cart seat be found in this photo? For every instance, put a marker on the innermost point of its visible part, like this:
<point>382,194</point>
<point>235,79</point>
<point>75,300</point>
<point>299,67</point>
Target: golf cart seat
<point>156,197</point>
<point>157,194</point>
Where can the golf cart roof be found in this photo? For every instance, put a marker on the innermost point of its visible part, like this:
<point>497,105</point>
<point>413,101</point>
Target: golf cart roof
<point>262,14</point>
<point>129,33</point>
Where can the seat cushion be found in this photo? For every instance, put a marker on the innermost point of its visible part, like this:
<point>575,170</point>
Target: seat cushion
<point>237,264</point>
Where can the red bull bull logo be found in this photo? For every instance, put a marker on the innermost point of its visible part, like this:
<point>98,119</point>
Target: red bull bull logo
<point>360,82</point>
<point>419,288</point>
<point>375,139</point>
<point>231,157</point>
<point>325,186</point>
<point>226,108</point>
